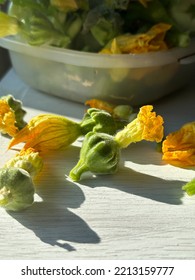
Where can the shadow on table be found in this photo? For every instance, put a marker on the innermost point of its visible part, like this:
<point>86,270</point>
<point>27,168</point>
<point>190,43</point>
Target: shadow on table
<point>56,226</point>
<point>53,222</point>
<point>144,158</point>
<point>50,219</point>
<point>139,184</point>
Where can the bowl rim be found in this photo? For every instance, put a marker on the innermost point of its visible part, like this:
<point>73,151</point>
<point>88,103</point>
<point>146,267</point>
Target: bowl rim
<point>96,60</point>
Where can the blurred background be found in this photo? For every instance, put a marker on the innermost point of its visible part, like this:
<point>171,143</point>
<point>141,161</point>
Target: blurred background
<point>4,57</point>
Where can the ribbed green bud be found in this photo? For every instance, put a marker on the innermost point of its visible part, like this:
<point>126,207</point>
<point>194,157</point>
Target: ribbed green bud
<point>16,189</point>
<point>98,120</point>
<point>19,112</point>
<point>99,154</point>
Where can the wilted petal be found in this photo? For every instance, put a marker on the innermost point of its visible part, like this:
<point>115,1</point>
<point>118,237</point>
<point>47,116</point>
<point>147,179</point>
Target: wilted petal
<point>7,119</point>
<point>153,40</point>
<point>147,126</point>
<point>179,147</point>
<point>47,132</point>
<point>8,25</point>
<point>100,104</point>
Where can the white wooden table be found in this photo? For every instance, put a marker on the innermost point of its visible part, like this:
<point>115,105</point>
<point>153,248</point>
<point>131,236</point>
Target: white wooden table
<point>139,213</point>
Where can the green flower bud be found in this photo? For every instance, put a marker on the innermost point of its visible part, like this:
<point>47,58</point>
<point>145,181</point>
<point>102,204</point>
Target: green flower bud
<point>99,154</point>
<point>16,189</point>
<point>98,120</point>
<point>123,112</point>
<point>19,112</point>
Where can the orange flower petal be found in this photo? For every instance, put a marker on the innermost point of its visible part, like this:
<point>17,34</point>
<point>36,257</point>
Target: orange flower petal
<point>7,119</point>
<point>47,132</point>
<point>100,104</point>
<point>179,147</point>
<point>153,40</point>
<point>147,126</point>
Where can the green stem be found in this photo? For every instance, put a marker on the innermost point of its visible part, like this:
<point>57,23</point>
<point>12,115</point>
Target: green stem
<point>78,170</point>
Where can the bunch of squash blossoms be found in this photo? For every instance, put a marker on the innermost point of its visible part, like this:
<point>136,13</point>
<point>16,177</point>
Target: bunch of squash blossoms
<point>106,129</point>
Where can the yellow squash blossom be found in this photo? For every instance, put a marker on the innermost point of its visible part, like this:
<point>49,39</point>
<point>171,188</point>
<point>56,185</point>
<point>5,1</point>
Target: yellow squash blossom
<point>112,48</point>
<point>47,132</point>
<point>146,126</point>
<point>153,40</point>
<point>8,25</point>
<point>179,147</point>
<point>27,159</point>
<point>7,119</point>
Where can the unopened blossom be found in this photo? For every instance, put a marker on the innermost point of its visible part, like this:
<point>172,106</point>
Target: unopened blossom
<point>47,132</point>
<point>17,180</point>
<point>117,111</point>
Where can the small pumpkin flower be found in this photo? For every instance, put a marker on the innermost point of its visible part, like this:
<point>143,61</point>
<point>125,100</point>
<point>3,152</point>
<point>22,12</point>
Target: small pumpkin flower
<point>16,189</point>
<point>152,40</point>
<point>47,132</point>
<point>146,126</point>
<point>27,159</point>
<point>17,107</point>
<point>117,111</point>
<point>7,119</point>
<point>16,180</point>
<point>98,120</point>
<point>11,115</point>
<point>179,147</point>
<point>8,25</point>
<point>100,152</point>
